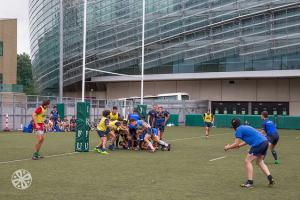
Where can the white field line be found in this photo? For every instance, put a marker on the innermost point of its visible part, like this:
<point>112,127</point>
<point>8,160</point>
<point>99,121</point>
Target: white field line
<point>198,137</point>
<point>219,158</point>
<point>50,156</point>
<point>71,153</point>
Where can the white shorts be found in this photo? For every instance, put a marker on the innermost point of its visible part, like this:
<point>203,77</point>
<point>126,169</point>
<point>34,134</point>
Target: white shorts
<point>39,132</point>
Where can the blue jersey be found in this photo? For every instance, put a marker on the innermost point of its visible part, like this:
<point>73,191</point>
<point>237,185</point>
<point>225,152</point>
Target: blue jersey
<point>134,116</point>
<point>160,118</point>
<point>152,114</point>
<point>269,127</point>
<point>152,132</point>
<point>139,123</point>
<point>54,114</point>
<point>249,135</point>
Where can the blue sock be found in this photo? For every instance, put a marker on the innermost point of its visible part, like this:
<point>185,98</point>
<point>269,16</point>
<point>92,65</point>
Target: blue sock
<point>129,144</point>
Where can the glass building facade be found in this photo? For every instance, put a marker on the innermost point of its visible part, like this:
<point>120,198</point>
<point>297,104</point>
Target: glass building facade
<point>181,36</point>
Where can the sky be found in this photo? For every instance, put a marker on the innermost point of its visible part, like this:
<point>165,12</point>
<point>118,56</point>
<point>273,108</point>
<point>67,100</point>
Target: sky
<point>18,9</point>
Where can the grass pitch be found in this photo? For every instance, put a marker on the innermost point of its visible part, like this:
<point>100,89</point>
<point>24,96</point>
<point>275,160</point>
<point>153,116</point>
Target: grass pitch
<point>185,172</point>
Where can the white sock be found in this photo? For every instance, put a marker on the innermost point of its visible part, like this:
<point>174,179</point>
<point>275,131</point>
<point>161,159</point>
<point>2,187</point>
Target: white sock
<point>163,143</point>
<point>150,145</point>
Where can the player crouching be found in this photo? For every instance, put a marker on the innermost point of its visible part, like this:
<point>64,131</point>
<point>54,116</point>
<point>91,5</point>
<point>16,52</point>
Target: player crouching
<point>146,135</point>
<point>259,146</point>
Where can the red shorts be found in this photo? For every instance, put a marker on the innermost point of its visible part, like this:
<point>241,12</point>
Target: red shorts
<point>41,128</point>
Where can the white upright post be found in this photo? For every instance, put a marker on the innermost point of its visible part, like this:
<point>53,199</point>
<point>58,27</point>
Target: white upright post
<point>143,53</point>
<point>61,46</point>
<point>83,49</point>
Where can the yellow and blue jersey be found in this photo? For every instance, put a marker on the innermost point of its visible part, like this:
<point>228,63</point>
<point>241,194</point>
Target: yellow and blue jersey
<point>208,117</point>
<point>114,117</point>
<point>103,124</point>
<point>114,125</point>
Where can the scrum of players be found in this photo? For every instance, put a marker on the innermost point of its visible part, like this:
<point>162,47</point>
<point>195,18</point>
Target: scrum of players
<point>134,132</point>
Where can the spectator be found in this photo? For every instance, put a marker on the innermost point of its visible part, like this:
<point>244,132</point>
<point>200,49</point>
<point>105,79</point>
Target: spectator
<point>46,124</point>
<point>65,125</point>
<point>72,124</point>
<point>51,125</point>
<point>57,127</point>
<point>55,115</point>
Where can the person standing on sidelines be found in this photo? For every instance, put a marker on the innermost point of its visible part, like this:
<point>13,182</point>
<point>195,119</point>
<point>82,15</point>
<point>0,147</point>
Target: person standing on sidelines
<point>152,114</point>
<point>271,133</point>
<point>208,119</point>
<point>38,117</point>
<point>162,116</point>
<point>259,146</point>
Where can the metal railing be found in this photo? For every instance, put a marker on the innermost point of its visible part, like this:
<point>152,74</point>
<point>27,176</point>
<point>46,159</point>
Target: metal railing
<point>20,107</point>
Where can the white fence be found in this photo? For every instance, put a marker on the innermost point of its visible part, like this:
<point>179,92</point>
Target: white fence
<point>20,107</point>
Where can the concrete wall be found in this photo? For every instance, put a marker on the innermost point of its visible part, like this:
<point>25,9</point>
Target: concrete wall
<point>218,90</point>
<point>276,90</point>
<point>97,94</point>
<point>8,62</point>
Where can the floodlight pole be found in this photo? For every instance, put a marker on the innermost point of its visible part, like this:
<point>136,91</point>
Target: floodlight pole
<point>61,50</point>
<point>83,49</point>
<point>143,53</point>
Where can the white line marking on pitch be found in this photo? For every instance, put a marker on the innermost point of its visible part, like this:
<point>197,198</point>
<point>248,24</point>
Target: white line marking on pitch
<point>71,153</point>
<point>197,137</point>
<point>57,155</point>
<point>217,158</point>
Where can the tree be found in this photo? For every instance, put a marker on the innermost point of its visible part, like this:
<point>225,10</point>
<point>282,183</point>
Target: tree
<point>24,73</point>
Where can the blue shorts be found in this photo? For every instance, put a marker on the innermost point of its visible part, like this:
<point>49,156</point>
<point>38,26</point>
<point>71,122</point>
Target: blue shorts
<point>161,128</point>
<point>142,136</point>
<point>103,133</point>
<point>155,131</point>
<point>208,124</point>
<point>132,131</point>
<point>260,150</point>
<point>273,139</point>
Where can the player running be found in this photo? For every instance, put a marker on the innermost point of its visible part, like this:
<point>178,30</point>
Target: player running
<point>38,117</point>
<point>259,147</point>
<point>272,135</point>
<point>208,121</point>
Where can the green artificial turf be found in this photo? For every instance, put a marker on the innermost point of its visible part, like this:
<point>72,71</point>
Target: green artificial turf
<point>183,173</point>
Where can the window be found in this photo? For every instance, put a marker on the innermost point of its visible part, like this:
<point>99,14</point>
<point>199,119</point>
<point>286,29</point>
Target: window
<point>1,48</point>
<point>1,78</point>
